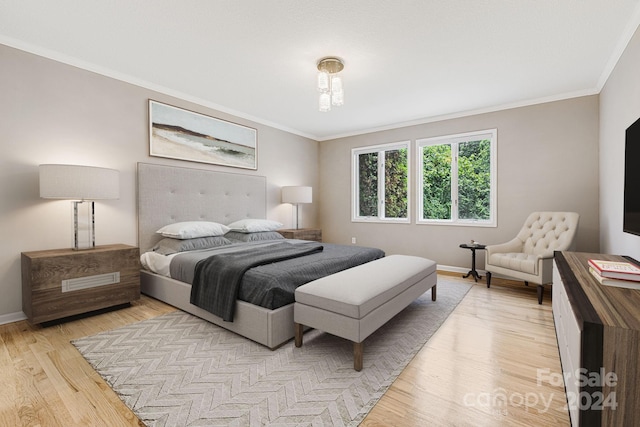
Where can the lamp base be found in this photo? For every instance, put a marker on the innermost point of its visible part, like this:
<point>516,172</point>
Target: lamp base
<point>297,216</point>
<point>83,225</point>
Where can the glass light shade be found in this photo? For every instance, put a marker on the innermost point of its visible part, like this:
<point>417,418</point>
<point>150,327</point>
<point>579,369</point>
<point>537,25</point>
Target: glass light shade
<point>323,81</point>
<point>337,98</point>
<point>325,102</point>
<point>336,83</point>
<point>329,83</point>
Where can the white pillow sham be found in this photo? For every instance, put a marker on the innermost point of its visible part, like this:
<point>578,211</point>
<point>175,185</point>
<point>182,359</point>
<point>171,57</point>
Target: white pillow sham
<point>193,229</point>
<point>254,225</point>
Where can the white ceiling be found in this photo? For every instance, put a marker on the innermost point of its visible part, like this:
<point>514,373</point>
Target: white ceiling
<point>405,61</point>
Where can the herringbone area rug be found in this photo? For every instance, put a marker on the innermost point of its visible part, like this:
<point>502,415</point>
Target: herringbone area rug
<point>179,370</point>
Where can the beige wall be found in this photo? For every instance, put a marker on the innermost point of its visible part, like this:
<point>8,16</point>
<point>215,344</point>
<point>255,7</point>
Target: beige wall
<point>547,160</point>
<point>619,107</point>
<point>55,113</point>
<point>52,112</point>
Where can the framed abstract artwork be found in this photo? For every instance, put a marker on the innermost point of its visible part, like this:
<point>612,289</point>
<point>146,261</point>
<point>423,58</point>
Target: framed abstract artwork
<point>177,133</point>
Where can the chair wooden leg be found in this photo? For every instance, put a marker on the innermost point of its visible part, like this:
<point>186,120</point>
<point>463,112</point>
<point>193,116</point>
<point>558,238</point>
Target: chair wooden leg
<point>488,275</point>
<point>297,327</point>
<point>433,293</point>
<point>540,292</point>
<point>358,349</point>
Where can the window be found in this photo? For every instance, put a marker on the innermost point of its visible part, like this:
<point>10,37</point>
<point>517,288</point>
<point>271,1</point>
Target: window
<point>457,179</point>
<point>381,183</point>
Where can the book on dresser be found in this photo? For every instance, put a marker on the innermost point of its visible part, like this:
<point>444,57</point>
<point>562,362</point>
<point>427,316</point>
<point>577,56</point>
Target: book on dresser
<point>615,269</point>
<point>620,283</point>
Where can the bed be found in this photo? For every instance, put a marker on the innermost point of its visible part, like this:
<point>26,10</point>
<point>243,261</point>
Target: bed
<point>169,194</point>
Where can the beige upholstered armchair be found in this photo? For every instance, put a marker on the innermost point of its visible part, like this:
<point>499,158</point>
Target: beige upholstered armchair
<point>529,256</point>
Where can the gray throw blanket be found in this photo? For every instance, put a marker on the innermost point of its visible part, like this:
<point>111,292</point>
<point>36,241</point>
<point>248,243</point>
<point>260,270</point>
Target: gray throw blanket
<point>217,278</point>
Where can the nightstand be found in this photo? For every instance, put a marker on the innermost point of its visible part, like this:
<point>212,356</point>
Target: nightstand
<point>314,234</point>
<point>63,282</point>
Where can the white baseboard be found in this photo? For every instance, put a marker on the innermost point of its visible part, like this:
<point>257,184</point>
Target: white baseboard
<point>12,317</point>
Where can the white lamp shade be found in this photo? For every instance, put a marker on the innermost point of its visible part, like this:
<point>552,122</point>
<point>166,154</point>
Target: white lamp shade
<point>78,182</point>
<point>296,194</point>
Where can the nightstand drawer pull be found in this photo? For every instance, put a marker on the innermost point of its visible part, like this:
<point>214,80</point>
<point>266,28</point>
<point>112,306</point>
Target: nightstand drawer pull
<point>90,281</point>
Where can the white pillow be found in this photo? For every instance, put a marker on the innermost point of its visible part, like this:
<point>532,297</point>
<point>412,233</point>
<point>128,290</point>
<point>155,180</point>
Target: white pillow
<point>254,225</point>
<point>193,229</point>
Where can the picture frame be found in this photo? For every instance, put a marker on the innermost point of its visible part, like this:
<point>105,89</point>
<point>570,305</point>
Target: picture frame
<point>177,133</point>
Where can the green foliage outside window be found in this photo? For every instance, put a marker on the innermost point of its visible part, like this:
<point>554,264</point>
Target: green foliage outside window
<point>436,175</point>
<point>383,172</point>
<point>474,180</point>
<point>396,173</point>
<point>368,184</point>
<point>395,184</point>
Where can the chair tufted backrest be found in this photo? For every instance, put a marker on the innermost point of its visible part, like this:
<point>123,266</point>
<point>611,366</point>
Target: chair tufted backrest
<point>545,232</point>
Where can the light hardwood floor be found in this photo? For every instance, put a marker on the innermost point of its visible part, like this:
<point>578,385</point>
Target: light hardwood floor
<point>487,365</point>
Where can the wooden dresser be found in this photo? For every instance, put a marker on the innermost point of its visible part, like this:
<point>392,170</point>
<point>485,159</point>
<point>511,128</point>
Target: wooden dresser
<point>63,282</point>
<point>598,330</point>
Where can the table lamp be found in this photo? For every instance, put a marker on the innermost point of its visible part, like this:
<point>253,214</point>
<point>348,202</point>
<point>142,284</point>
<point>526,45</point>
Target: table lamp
<point>81,184</point>
<point>296,195</point>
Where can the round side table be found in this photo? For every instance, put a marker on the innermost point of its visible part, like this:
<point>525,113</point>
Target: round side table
<point>473,272</point>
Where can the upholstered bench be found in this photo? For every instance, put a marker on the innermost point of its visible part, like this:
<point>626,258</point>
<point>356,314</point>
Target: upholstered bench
<point>354,303</point>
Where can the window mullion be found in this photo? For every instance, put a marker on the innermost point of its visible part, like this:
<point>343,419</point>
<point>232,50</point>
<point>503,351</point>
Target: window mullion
<point>355,185</point>
<point>420,179</point>
<point>454,181</point>
<point>381,184</point>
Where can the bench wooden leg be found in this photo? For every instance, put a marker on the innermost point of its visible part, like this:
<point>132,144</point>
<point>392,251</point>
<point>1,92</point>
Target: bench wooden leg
<point>358,349</point>
<point>298,331</point>
<point>433,293</point>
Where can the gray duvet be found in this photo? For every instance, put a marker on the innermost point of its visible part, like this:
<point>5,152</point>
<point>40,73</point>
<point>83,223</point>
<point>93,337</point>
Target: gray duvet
<point>273,285</point>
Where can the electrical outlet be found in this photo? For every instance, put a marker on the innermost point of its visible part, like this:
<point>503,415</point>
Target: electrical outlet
<point>353,240</point>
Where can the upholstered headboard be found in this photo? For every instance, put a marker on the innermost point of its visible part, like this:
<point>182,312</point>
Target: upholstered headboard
<point>168,194</point>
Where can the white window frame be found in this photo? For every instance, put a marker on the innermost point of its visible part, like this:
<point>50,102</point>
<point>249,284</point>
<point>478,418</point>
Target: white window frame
<point>355,193</point>
<point>454,140</point>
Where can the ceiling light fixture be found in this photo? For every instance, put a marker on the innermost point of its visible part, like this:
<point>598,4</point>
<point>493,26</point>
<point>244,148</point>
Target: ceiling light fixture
<point>330,83</point>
